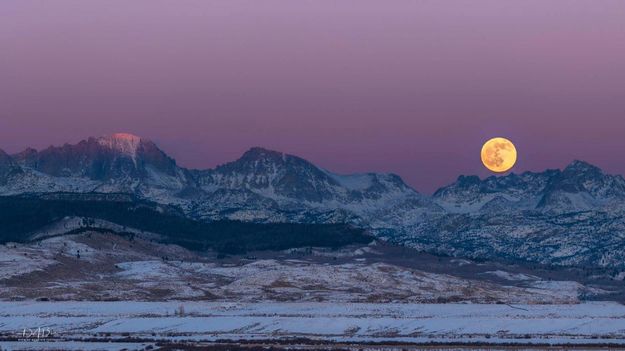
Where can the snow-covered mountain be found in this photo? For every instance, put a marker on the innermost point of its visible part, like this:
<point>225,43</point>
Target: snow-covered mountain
<point>270,185</point>
<point>574,216</point>
<point>579,187</point>
<point>117,163</point>
<point>571,216</point>
<point>262,185</point>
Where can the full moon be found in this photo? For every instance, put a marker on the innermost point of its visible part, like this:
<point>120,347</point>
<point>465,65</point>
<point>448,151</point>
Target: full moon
<point>498,155</point>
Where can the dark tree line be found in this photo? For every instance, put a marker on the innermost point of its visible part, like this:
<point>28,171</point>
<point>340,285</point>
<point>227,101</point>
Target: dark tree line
<point>21,216</point>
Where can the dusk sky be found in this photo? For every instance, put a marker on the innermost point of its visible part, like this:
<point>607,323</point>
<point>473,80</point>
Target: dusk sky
<point>409,87</point>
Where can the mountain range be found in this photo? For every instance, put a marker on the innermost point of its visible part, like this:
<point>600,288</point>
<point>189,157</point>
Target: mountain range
<point>556,217</point>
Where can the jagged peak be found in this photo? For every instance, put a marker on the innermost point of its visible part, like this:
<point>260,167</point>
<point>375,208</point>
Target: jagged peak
<point>6,158</point>
<point>125,136</point>
<point>28,150</point>
<point>578,165</point>
<point>261,152</point>
<point>264,155</point>
<point>123,142</point>
<point>122,137</point>
<point>468,179</point>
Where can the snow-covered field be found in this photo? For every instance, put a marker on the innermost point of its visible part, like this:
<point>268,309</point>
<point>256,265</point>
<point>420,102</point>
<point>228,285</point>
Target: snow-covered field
<point>95,288</point>
<point>588,323</point>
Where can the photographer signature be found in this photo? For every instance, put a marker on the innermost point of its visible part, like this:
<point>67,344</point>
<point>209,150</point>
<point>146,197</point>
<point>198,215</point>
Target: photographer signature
<point>40,333</point>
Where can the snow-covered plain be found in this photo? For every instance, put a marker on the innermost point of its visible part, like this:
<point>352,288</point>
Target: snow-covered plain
<point>588,323</point>
<point>100,287</point>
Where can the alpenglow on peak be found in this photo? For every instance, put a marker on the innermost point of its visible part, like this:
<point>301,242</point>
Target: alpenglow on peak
<point>123,142</point>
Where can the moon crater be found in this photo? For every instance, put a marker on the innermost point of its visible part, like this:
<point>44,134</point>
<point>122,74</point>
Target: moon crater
<point>499,155</point>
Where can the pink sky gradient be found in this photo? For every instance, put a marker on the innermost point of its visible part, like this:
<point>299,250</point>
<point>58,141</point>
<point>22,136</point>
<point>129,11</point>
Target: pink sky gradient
<point>410,87</point>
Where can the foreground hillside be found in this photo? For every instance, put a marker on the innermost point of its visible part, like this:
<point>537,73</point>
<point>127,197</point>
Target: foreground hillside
<point>102,266</point>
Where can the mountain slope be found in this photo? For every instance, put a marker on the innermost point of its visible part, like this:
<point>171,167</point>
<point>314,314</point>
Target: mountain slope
<point>8,168</point>
<point>27,218</point>
<point>573,216</point>
<point>295,189</point>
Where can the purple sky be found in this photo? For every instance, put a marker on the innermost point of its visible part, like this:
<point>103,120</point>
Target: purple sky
<point>410,87</point>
